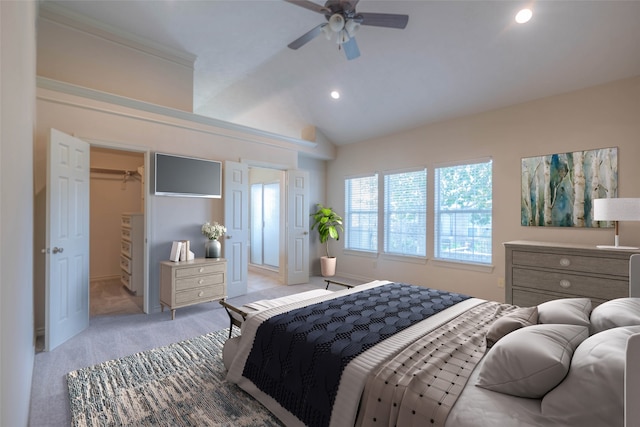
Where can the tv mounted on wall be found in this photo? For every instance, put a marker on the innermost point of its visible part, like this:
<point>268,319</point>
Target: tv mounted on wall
<point>187,176</point>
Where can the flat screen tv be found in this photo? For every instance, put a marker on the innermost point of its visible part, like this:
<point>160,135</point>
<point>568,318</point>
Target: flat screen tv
<point>187,176</point>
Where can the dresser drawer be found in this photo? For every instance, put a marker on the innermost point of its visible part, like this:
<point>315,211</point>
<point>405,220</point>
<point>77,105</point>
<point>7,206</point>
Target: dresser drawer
<point>200,294</point>
<point>125,248</point>
<point>200,270</point>
<point>570,284</point>
<point>524,298</point>
<point>199,281</point>
<point>579,263</point>
<point>125,264</point>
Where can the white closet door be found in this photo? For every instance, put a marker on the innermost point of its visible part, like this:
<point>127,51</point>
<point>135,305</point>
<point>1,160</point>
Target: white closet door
<point>67,252</point>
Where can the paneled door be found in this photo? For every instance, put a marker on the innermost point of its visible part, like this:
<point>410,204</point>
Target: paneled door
<point>236,219</point>
<point>297,227</point>
<point>67,239</point>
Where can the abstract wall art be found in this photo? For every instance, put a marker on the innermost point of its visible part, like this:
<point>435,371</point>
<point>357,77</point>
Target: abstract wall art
<point>558,189</point>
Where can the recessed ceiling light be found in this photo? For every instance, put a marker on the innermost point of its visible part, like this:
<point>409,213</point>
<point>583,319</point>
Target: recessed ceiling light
<point>524,16</point>
<point>335,94</point>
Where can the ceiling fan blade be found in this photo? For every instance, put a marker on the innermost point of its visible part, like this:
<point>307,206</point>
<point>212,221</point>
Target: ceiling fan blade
<point>388,20</point>
<point>351,49</point>
<point>309,5</point>
<point>306,38</point>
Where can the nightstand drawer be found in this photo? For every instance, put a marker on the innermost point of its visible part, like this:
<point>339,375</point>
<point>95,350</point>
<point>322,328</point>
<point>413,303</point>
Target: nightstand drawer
<point>200,270</point>
<point>570,284</point>
<point>587,264</point>
<point>196,282</point>
<point>200,294</point>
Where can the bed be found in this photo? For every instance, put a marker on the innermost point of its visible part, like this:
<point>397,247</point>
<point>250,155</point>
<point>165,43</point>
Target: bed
<point>452,360</point>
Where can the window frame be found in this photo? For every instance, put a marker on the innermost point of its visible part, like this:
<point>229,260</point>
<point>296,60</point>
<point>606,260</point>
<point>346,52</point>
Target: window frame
<point>348,213</point>
<point>384,232</point>
<point>437,212</point>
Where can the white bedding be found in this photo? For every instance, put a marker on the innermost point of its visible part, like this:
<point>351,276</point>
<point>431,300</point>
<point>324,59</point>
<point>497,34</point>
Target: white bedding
<point>475,407</point>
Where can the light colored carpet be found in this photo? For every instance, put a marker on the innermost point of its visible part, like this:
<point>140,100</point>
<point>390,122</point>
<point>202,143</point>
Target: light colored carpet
<point>182,384</point>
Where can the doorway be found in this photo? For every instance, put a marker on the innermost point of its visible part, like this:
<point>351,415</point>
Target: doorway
<point>116,218</point>
<point>265,220</point>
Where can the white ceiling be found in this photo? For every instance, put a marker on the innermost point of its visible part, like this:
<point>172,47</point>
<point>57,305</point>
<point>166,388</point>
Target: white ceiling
<point>454,58</point>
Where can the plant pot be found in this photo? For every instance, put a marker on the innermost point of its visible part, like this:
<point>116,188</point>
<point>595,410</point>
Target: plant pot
<point>328,266</point>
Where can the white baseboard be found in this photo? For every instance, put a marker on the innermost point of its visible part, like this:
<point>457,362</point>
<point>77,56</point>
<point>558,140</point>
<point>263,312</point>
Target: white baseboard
<point>99,278</point>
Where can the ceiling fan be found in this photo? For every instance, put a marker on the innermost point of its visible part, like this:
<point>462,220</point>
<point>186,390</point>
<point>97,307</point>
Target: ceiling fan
<point>344,21</point>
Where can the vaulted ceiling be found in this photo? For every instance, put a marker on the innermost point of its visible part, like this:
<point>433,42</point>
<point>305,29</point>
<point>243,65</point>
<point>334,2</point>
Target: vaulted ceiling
<point>454,58</point>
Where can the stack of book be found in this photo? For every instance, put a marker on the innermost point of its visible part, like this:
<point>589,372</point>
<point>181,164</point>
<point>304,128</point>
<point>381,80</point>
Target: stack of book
<point>180,251</point>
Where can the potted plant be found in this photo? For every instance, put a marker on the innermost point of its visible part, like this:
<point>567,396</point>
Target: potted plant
<point>328,223</point>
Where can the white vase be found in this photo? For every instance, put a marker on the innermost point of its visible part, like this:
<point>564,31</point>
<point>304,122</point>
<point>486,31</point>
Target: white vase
<point>212,249</point>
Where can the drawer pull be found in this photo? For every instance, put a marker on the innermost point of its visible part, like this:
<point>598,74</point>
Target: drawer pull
<point>565,262</point>
<point>201,293</point>
<point>201,269</point>
<point>200,282</point>
<point>564,283</point>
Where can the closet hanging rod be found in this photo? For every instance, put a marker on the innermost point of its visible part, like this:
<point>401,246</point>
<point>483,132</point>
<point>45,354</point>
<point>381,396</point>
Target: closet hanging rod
<point>114,171</point>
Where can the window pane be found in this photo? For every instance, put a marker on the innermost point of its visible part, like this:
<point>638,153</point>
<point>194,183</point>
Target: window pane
<point>361,218</point>
<point>405,213</point>
<point>463,216</point>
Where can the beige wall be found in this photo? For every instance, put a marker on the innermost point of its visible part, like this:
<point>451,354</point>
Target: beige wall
<point>69,54</point>
<point>110,197</point>
<point>597,117</point>
<point>17,119</point>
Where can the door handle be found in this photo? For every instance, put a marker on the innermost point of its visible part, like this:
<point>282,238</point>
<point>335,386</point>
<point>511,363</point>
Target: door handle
<point>305,233</point>
<point>57,250</point>
<point>228,237</point>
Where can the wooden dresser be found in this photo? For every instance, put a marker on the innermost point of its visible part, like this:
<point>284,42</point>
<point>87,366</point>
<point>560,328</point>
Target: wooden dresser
<point>537,272</point>
<point>192,282</point>
<point>132,252</point>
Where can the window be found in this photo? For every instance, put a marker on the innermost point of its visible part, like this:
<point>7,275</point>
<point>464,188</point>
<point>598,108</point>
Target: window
<point>361,213</point>
<point>463,200</point>
<point>405,213</point>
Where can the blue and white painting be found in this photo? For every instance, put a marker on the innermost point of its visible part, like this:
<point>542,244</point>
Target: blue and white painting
<point>558,189</point>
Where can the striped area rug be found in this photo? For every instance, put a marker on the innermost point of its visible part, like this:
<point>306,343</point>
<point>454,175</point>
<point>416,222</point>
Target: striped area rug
<point>182,384</point>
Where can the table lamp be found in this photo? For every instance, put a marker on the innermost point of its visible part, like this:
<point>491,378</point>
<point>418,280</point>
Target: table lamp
<point>616,209</point>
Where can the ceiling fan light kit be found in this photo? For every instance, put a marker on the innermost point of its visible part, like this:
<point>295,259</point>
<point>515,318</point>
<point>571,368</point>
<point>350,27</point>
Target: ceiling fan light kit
<point>343,20</point>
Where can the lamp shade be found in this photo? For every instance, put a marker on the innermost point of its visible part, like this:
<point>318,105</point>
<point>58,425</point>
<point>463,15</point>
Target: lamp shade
<point>617,209</point>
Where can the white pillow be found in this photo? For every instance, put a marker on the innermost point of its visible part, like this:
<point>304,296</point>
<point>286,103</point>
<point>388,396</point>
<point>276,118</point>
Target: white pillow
<point>531,361</point>
<point>614,313</point>
<point>518,318</point>
<point>567,311</point>
<point>593,392</point>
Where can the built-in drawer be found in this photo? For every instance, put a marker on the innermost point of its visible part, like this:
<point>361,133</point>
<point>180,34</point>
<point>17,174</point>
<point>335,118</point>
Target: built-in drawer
<point>125,248</point>
<point>125,278</point>
<point>198,281</point>
<point>125,233</point>
<point>200,269</point>
<point>570,284</point>
<point>125,221</point>
<point>197,294</point>
<point>599,265</point>
<point>125,264</point>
